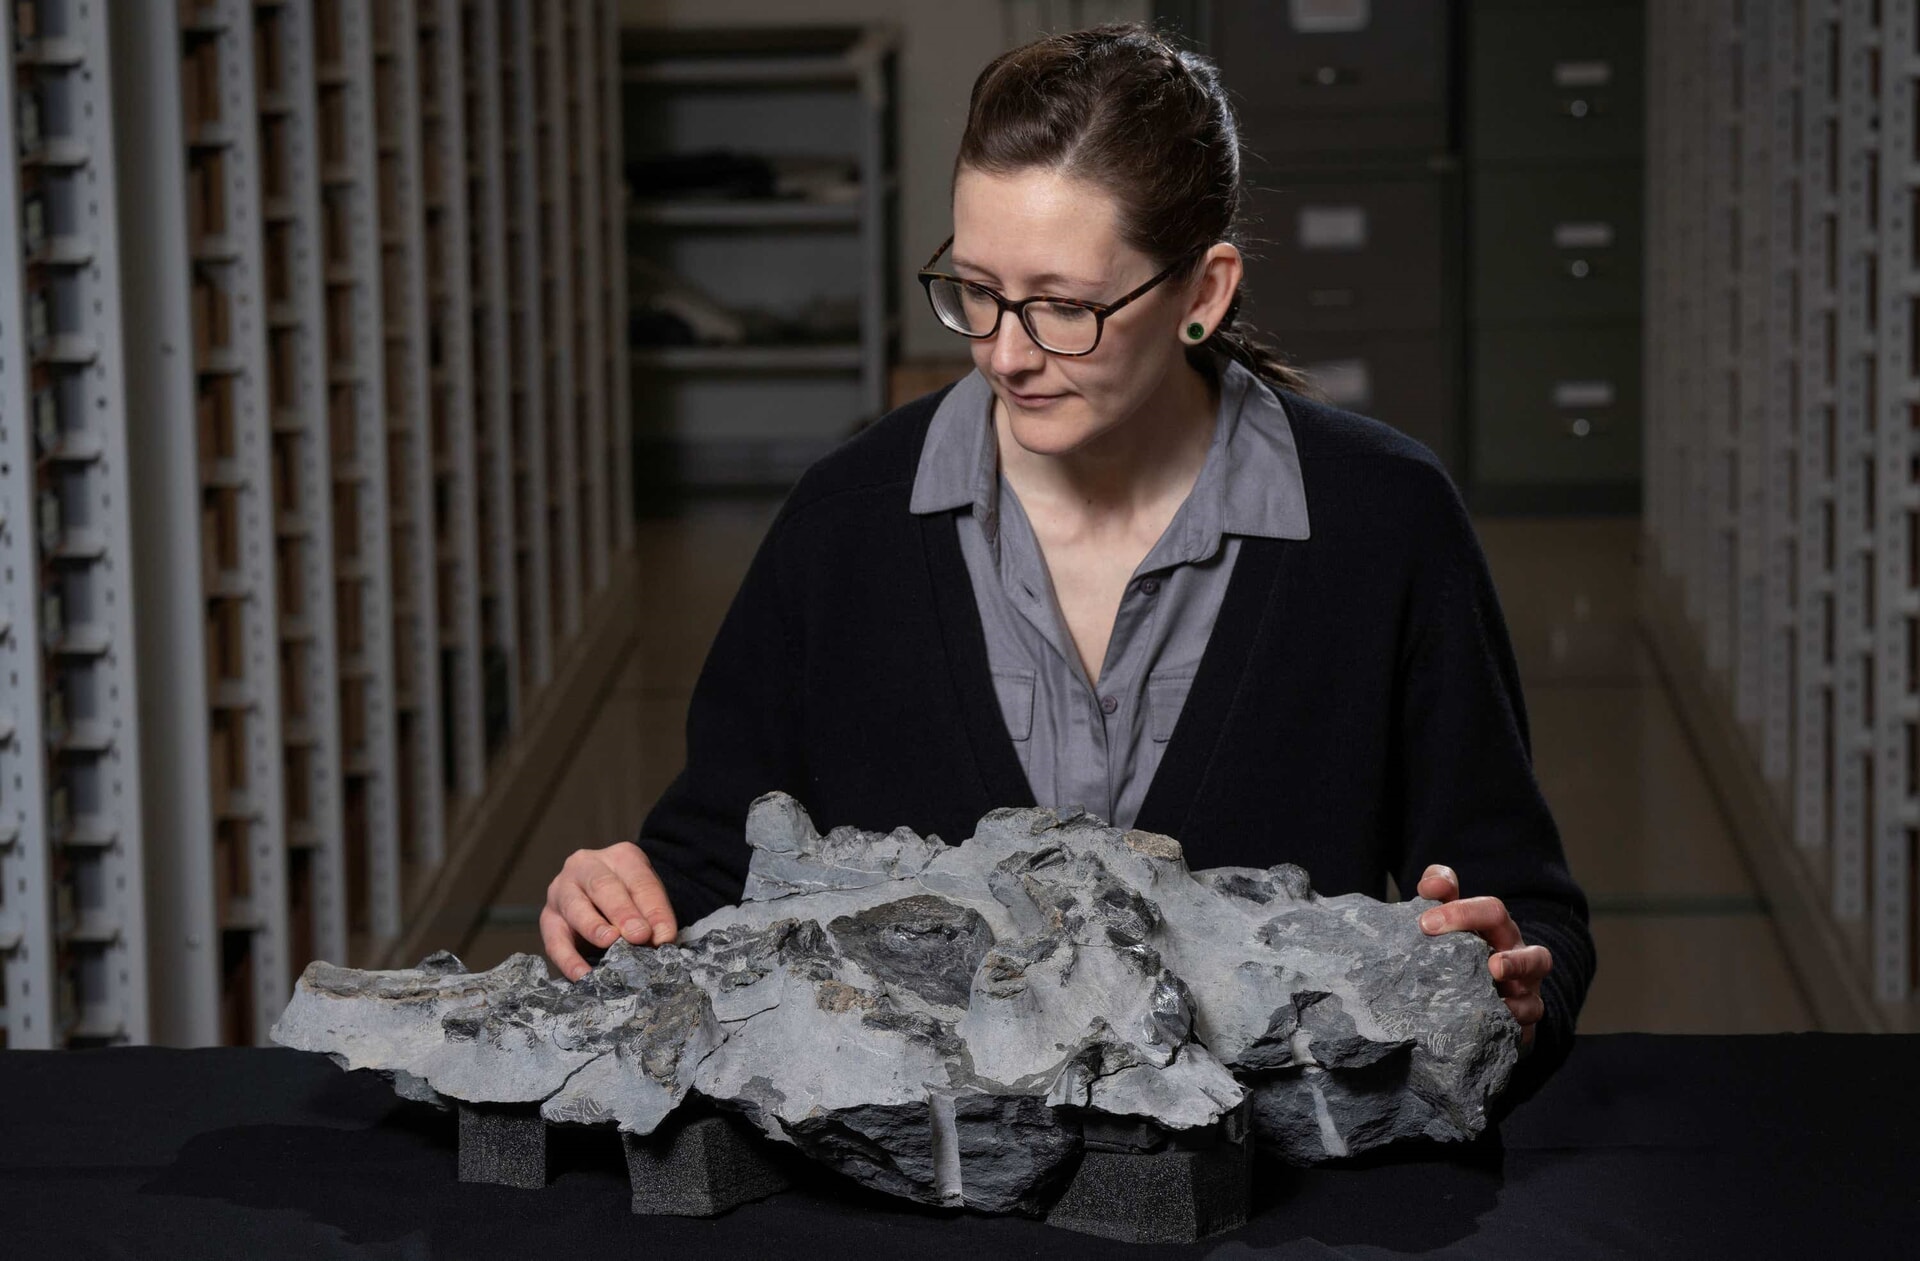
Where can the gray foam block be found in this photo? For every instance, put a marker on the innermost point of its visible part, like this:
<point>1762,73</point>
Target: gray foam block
<point>1175,1195</point>
<point>699,1169</point>
<point>505,1146</point>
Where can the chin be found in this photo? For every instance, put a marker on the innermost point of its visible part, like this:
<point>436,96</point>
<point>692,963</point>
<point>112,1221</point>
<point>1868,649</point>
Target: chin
<point>1050,432</point>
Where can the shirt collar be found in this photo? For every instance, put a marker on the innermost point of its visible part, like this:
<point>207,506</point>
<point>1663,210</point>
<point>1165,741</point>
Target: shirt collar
<point>1250,483</point>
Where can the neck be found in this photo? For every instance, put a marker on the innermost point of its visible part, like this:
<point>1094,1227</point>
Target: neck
<point>1154,454</point>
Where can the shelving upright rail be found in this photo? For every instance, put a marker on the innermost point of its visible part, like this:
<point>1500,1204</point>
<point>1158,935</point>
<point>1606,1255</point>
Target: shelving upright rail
<point>1784,513</point>
<point>73,936</point>
<point>222,729</point>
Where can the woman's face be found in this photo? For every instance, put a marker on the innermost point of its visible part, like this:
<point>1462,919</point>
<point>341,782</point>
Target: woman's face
<point>1039,232</point>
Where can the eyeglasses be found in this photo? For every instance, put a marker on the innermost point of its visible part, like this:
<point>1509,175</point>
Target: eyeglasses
<point>1060,326</point>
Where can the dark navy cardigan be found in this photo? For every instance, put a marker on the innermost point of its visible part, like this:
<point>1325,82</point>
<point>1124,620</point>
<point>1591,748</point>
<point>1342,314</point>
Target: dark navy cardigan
<point>1357,710</point>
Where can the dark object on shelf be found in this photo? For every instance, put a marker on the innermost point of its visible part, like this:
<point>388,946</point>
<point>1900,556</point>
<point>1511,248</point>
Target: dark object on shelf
<point>1177,1194</point>
<point>714,172</point>
<point>506,1146</point>
<point>700,1169</point>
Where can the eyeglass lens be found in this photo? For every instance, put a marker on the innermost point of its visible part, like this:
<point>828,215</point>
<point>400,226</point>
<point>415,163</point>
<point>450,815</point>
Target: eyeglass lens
<point>972,310</point>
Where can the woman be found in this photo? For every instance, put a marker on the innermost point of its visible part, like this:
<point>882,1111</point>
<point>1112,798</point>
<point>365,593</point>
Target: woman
<point>1126,564</point>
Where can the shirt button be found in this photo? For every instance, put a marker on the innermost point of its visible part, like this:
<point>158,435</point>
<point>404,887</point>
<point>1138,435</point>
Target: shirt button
<point>1150,586</point>
<point>1109,703</point>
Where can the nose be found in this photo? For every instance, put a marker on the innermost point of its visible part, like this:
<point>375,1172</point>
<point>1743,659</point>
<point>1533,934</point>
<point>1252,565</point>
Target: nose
<point>1014,351</point>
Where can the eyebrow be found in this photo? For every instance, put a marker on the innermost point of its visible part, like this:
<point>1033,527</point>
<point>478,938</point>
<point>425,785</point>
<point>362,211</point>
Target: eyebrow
<point>1043,279</point>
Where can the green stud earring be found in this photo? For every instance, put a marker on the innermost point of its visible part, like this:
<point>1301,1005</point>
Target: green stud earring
<point>1196,331</point>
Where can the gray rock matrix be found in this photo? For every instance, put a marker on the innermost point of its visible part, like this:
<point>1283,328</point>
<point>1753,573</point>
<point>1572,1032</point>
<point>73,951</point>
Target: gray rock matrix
<point>954,1023</point>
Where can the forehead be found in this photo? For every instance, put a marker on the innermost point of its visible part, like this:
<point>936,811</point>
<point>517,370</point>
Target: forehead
<point>1037,226</point>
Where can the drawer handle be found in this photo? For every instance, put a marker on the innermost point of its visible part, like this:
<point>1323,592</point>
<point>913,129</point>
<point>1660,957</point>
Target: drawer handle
<point>1582,74</point>
<point>1329,17</point>
<point>1581,427</point>
<point>1577,108</point>
<point>1586,235</point>
<point>1345,382</point>
<point>1582,395</point>
<point>1332,227</point>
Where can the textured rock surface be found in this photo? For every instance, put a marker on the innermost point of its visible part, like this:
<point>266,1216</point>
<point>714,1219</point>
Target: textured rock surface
<point>952,1023</point>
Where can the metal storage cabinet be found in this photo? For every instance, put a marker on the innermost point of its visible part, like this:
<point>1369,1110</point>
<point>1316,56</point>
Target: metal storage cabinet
<point>1557,245</point>
<point>1568,405</point>
<point>1555,83</point>
<point>1348,255</point>
<point>1554,121</point>
<point>1353,203</point>
<point>1313,78</point>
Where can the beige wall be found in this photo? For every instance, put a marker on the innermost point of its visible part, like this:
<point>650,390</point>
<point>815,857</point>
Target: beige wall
<point>943,45</point>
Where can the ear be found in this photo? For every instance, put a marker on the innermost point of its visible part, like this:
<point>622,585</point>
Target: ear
<point>1213,287</point>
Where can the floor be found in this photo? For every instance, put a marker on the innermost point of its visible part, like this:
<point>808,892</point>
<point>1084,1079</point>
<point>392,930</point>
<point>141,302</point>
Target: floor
<point>1685,941</point>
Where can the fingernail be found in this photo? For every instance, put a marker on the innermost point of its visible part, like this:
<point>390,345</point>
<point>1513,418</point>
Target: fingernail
<point>634,929</point>
<point>605,934</point>
<point>581,971</point>
<point>1431,921</point>
<point>1499,966</point>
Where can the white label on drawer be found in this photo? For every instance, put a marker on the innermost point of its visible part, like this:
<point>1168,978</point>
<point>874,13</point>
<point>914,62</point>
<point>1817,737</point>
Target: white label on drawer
<point>1583,394</point>
<point>1582,74</point>
<point>1329,17</point>
<point>1582,236</point>
<point>1345,382</point>
<point>1333,227</point>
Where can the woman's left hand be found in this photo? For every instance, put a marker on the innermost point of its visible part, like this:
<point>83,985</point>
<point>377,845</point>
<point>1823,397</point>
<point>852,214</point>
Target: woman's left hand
<point>1517,968</point>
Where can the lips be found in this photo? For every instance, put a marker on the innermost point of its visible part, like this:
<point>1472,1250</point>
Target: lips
<point>1033,400</point>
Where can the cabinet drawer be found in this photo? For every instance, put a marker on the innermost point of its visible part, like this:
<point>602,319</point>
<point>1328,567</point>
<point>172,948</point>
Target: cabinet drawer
<point>1557,244</point>
<point>1560,84</point>
<point>1345,256</point>
<point>1407,380</point>
<point>1373,71</point>
<point>1557,404</point>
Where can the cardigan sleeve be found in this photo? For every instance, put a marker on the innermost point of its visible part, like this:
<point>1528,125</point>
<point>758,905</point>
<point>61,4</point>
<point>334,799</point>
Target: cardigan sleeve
<point>1471,799</point>
<point>743,725</point>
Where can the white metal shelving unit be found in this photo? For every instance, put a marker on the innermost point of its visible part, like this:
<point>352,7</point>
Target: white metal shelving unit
<point>553,144</point>
<point>619,369</point>
<point>589,270</point>
<point>289,143</point>
<point>373,334</point>
<point>234,402</point>
<point>73,931</point>
<point>521,138</point>
<point>487,201</point>
<point>356,408</point>
<point>398,103</point>
<point>450,370</point>
<point>1785,510</point>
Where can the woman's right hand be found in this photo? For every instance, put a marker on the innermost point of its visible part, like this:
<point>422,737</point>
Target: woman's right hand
<point>599,896</point>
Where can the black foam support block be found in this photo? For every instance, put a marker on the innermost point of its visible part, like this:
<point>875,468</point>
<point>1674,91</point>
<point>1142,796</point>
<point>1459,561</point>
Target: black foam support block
<point>506,1146</point>
<point>699,1169</point>
<point>1175,1195</point>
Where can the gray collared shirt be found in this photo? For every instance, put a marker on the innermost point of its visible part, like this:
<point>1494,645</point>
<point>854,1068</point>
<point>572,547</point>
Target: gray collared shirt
<point>1082,744</point>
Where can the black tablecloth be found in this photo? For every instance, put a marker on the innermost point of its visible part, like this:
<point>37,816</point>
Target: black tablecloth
<point>1789,1145</point>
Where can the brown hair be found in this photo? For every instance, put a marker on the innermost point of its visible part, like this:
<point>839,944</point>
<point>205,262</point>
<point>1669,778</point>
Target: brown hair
<point>1118,107</point>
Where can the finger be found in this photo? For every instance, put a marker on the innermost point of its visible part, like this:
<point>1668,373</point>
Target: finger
<point>609,893</point>
<point>630,863</point>
<point>559,942</point>
<point>583,917</point>
<point>1439,883</point>
<point>1486,916</point>
<point>1527,1009</point>
<point>1527,963</point>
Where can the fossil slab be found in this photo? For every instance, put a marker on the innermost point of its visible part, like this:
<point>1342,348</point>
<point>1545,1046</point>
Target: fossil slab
<point>951,1023</point>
